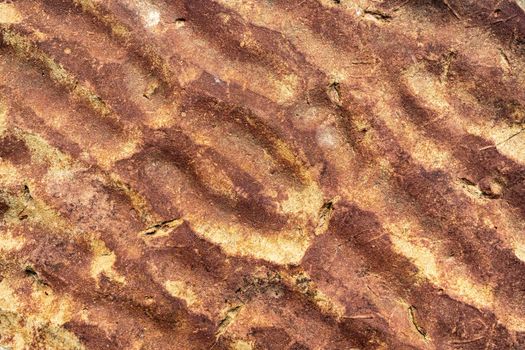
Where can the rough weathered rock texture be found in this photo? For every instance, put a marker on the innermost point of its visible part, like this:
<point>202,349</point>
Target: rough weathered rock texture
<point>262,174</point>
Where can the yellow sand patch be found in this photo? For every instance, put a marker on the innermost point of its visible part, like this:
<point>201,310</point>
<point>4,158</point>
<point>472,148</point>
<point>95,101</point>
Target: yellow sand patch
<point>422,257</point>
<point>287,87</point>
<point>516,324</point>
<point>8,300</point>
<point>9,175</point>
<point>513,144</point>
<point>304,203</point>
<point>103,261</point>
<point>165,116</point>
<point>3,117</point>
<point>9,243</point>
<point>182,290</point>
<point>49,307</point>
<point>9,14</point>
<point>241,345</point>
<point>519,250</point>
<point>427,87</point>
<point>286,248</point>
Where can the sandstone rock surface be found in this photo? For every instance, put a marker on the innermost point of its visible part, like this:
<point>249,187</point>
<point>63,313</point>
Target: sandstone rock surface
<point>262,174</point>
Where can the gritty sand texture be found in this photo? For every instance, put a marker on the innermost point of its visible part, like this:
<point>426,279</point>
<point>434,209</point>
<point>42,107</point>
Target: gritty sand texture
<point>262,174</point>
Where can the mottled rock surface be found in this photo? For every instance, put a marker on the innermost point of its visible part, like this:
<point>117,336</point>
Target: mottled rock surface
<point>262,174</point>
